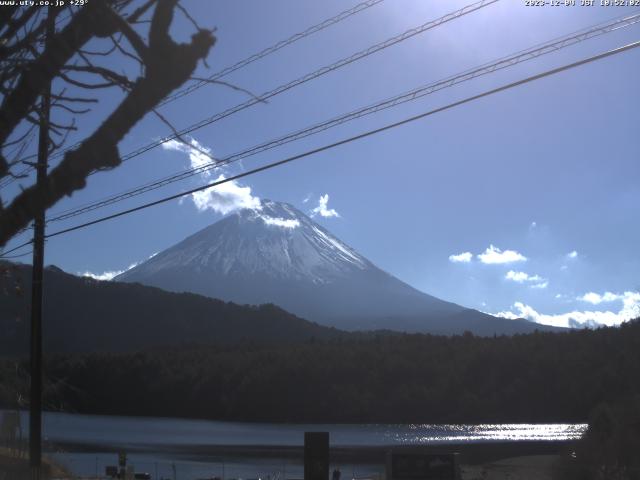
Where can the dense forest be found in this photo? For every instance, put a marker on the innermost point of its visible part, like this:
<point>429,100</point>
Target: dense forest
<point>86,315</point>
<point>539,377</point>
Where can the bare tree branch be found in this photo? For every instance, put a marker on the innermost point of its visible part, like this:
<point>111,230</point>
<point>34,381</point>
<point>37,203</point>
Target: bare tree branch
<point>62,47</point>
<point>74,99</point>
<point>188,16</point>
<point>15,25</point>
<point>180,138</point>
<point>6,14</point>
<point>132,37</point>
<point>69,109</point>
<point>106,53</point>
<point>105,73</point>
<point>19,139</point>
<point>135,16</point>
<point>167,66</point>
<point>116,44</point>
<point>232,86</point>
<point>89,86</point>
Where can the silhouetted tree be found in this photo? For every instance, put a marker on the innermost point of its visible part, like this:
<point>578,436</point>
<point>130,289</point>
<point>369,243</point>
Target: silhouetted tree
<point>609,449</point>
<point>28,64</point>
<point>545,377</point>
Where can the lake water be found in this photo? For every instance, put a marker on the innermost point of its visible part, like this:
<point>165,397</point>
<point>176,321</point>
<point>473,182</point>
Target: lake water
<point>146,437</point>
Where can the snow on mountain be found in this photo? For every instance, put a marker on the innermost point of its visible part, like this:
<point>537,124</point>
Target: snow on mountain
<point>277,254</point>
<point>277,240</point>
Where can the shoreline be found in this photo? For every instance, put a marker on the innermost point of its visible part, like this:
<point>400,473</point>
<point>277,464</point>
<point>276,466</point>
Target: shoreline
<point>471,453</point>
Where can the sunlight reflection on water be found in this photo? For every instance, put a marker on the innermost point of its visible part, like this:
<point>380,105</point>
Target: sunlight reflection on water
<point>146,437</point>
<point>131,431</point>
<point>419,434</point>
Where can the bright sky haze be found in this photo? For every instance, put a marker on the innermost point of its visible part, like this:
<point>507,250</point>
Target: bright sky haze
<point>524,204</point>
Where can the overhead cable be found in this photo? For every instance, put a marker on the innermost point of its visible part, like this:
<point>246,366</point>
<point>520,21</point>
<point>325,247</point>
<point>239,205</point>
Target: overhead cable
<point>487,68</point>
<point>227,70</point>
<point>366,134</point>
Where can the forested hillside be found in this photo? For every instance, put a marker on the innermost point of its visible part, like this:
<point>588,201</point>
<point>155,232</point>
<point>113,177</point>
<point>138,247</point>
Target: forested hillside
<point>85,315</point>
<point>539,377</point>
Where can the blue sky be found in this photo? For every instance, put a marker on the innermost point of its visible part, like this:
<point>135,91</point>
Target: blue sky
<point>525,203</point>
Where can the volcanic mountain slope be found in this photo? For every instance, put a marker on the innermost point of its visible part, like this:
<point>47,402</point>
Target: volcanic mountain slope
<point>277,254</point>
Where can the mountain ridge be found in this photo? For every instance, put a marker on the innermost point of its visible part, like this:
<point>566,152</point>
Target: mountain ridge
<point>277,254</point>
<point>86,315</point>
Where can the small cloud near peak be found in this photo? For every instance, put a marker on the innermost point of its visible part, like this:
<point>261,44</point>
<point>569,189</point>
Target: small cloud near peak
<point>281,222</point>
<point>111,274</point>
<point>323,208</point>
<point>224,198</point>
<point>104,276</point>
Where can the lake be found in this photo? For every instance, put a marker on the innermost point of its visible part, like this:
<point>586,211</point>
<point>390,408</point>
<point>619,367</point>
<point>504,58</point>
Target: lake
<point>163,444</point>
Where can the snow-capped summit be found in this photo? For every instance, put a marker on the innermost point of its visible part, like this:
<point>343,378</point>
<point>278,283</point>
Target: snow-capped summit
<point>280,241</point>
<point>277,254</point>
<point>276,240</point>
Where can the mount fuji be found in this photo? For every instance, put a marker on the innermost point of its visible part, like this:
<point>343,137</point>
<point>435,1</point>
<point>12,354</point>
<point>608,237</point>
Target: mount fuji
<point>277,254</point>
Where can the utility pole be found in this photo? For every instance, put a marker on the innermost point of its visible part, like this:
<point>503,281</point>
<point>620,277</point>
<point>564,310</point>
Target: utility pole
<point>35,404</point>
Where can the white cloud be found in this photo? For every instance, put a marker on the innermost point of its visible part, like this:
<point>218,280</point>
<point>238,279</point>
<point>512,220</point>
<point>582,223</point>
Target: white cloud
<point>522,277</point>
<point>572,254</point>
<point>306,199</point>
<point>630,310</point>
<point>109,275</point>
<point>281,222</point>
<point>322,208</point>
<point>104,276</point>
<point>596,298</point>
<point>464,257</point>
<point>493,255</point>
<point>225,198</point>
<point>517,276</point>
<point>199,155</point>
<point>533,225</point>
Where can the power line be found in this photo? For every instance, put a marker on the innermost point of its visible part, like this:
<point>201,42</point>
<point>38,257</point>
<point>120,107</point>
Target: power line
<point>22,245</point>
<point>231,68</point>
<point>313,75</point>
<point>272,49</point>
<point>310,76</point>
<point>487,68</point>
<point>369,133</point>
<point>8,180</point>
<point>7,257</point>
